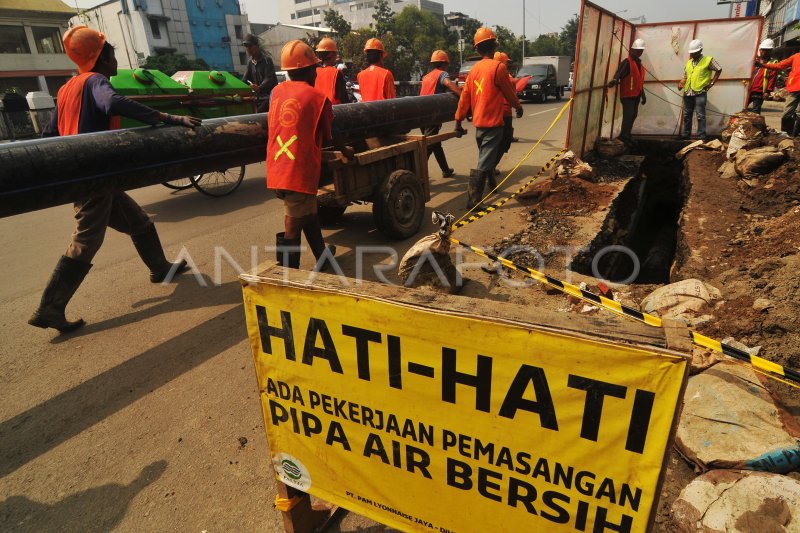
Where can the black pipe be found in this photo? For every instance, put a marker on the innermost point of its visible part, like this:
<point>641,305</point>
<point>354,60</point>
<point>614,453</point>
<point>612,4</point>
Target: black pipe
<point>43,173</point>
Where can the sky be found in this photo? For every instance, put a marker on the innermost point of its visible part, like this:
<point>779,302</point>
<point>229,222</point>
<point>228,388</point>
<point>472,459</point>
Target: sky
<point>540,16</point>
<point>543,16</point>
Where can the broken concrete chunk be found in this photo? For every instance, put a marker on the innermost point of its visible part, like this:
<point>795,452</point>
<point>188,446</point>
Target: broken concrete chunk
<point>728,170</point>
<point>762,304</point>
<point>758,161</point>
<point>673,300</point>
<point>729,420</point>
<point>737,501</point>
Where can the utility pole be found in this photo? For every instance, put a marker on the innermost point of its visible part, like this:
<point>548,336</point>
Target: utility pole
<point>523,33</point>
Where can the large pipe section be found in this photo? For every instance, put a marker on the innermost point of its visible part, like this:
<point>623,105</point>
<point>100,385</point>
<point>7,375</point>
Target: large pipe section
<point>43,173</point>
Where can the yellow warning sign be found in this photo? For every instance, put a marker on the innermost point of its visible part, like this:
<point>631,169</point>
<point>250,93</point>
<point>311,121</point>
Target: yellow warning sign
<point>433,421</point>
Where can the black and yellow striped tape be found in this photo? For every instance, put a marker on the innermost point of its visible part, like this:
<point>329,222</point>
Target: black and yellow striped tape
<point>477,215</point>
<point>759,364</point>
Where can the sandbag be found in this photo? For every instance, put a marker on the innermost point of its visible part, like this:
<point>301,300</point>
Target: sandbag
<point>428,264</point>
<point>675,299</point>
<point>570,165</point>
<point>757,161</point>
<point>744,137</point>
<point>736,501</point>
<point>729,420</point>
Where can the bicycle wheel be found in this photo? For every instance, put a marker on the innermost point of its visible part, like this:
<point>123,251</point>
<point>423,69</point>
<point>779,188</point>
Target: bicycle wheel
<point>178,185</point>
<point>219,183</point>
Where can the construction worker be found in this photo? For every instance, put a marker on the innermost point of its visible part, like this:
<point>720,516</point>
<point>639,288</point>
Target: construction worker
<point>508,127</point>
<point>700,74</point>
<point>487,86</point>
<point>300,122</point>
<point>437,81</point>
<point>788,120</point>
<point>764,81</point>
<point>260,74</point>
<point>330,79</point>
<point>375,82</point>
<point>630,78</point>
<point>87,103</point>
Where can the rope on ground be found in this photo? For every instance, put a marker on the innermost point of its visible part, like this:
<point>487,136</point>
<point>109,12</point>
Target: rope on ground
<point>763,366</point>
<point>524,158</point>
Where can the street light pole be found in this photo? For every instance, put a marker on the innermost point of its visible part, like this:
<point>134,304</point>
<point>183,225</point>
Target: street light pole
<point>523,32</point>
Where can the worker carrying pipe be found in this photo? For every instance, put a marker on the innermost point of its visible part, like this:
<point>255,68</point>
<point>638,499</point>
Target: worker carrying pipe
<point>630,78</point>
<point>87,103</point>
<point>487,86</point>
<point>300,122</point>
<point>330,79</point>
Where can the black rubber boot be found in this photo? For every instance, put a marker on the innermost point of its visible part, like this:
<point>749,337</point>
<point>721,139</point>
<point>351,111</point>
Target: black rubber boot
<point>149,247</point>
<point>329,258</point>
<point>477,182</point>
<point>67,277</point>
<point>287,251</point>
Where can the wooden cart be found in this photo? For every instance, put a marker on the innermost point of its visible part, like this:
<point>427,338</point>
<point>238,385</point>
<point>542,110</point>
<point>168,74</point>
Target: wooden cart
<point>393,176</point>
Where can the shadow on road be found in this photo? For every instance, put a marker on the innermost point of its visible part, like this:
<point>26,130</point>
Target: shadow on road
<point>96,509</point>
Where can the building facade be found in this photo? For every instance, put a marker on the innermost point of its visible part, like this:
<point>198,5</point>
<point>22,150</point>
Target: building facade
<point>782,23</point>
<point>357,12</point>
<point>32,56</point>
<point>276,36</point>
<point>211,30</point>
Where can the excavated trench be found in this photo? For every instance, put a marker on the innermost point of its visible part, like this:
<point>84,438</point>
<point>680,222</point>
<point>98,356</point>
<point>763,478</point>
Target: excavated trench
<point>637,243</point>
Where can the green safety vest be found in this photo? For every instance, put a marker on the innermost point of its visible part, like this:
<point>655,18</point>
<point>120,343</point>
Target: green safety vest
<point>698,77</point>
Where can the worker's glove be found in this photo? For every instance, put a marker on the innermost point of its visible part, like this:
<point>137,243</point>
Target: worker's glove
<point>180,120</point>
<point>519,112</point>
<point>758,63</point>
<point>460,130</point>
<point>612,83</point>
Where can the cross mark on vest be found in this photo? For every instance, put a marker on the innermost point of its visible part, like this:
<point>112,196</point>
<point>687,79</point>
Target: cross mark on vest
<point>285,147</point>
<point>478,86</point>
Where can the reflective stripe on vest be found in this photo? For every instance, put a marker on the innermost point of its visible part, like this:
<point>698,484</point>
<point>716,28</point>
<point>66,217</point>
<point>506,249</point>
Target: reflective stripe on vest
<point>431,82</point>
<point>698,77</point>
<point>371,83</point>
<point>485,96</point>
<point>294,146</point>
<point>326,82</point>
<point>70,101</point>
<point>631,85</point>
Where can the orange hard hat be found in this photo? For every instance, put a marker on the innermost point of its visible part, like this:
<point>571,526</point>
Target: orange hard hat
<point>83,46</point>
<point>439,56</point>
<point>484,34</point>
<point>296,55</point>
<point>327,45</point>
<point>374,44</point>
<point>501,57</point>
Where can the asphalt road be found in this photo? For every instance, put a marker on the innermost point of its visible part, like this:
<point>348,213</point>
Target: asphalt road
<point>148,418</point>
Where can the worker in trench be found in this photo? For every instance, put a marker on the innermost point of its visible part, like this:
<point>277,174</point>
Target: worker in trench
<point>508,124</point>
<point>260,74</point>
<point>789,122</point>
<point>630,78</point>
<point>87,103</point>
<point>438,81</point>
<point>300,122</point>
<point>700,74</point>
<point>487,87</point>
<point>763,83</point>
<point>330,79</point>
<point>375,82</point>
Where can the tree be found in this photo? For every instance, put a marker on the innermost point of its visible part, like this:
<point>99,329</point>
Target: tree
<point>418,34</point>
<point>383,17</point>
<point>509,43</point>
<point>335,21</point>
<point>569,37</point>
<point>169,64</point>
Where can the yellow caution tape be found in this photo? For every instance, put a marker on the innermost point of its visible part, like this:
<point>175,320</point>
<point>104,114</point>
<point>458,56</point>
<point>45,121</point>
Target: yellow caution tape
<point>763,366</point>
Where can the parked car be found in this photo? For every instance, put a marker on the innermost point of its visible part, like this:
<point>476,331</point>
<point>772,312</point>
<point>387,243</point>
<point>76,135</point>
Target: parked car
<point>466,66</point>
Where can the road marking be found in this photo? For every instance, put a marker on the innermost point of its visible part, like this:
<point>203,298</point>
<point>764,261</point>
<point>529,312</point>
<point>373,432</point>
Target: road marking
<point>548,111</point>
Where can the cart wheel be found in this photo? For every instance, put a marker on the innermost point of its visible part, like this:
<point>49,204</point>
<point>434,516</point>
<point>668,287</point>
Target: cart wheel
<point>219,183</point>
<point>178,185</point>
<point>399,207</point>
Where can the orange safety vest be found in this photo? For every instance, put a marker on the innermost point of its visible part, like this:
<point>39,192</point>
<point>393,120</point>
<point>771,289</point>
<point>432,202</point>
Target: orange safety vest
<point>632,85</point>
<point>764,80</point>
<point>373,83</point>
<point>485,96</point>
<point>70,102</point>
<point>294,146</point>
<point>506,105</point>
<point>326,82</point>
<point>430,81</point>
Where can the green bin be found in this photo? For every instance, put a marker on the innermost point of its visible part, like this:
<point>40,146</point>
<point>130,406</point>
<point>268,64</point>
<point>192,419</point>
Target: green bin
<point>152,88</point>
<point>216,94</point>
